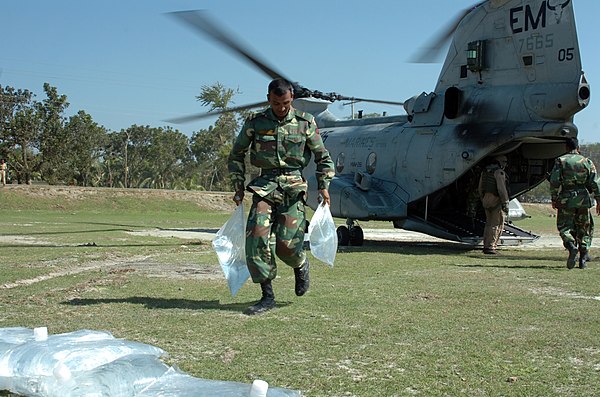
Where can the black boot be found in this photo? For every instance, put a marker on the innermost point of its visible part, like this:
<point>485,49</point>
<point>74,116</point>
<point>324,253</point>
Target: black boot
<point>572,254</point>
<point>302,278</point>
<point>267,302</point>
<point>583,257</point>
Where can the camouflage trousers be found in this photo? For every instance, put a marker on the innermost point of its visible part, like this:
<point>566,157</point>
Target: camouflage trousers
<point>574,226</point>
<point>275,227</point>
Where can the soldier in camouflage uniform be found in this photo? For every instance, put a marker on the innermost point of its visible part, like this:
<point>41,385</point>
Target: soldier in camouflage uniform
<point>572,180</point>
<point>493,192</point>
<point>281,140</point>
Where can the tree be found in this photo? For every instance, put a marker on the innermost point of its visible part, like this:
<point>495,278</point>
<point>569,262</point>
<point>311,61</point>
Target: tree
<point>19,129</point>
<point>211,146</point>
<point>54,145</point>
<point>146,157</point>
<point>25,128</point>
<point>171,152</point>
<point>87,140</point>
<point>112,164</point>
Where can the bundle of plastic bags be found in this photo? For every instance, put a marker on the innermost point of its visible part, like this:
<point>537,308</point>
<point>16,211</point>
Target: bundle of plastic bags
<point>35,364</point>
<point>95,364</point>
<point>230,246</point>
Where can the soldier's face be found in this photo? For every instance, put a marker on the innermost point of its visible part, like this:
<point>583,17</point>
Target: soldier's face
<point>281,105</point>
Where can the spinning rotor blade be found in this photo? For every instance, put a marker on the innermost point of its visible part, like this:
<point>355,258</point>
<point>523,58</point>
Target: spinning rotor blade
<point>431,52</point>
<point>200,116</point>
<point>202,23</point>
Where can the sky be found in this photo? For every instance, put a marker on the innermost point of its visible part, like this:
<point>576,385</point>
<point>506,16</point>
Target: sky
<point>127,62</point>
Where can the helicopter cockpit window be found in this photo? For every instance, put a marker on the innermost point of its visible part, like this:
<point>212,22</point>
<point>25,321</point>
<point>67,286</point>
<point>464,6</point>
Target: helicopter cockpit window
<point>475,56</point>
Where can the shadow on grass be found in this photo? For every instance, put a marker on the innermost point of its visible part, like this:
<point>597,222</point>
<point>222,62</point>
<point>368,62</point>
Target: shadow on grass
<point>163,303</point>
<point>214,231</point>
<point>59,232</point>
<point>409,247</point>
<point>505,265</point>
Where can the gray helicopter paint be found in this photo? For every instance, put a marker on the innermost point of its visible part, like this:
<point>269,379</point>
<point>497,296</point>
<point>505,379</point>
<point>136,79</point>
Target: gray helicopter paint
<point>520,102</point>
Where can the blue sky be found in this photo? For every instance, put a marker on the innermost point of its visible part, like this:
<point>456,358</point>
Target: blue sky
<point>125,62</point>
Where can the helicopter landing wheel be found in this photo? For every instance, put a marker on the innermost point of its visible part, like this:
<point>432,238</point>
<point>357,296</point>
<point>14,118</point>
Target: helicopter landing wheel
<point>357,236</point>
<point>343,235</point>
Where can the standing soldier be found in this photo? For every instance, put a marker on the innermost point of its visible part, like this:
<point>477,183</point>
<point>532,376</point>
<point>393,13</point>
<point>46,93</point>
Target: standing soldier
<point>493,192</point>
<point>572,180</point>
<point>281,140</point>
<point>3,172</point>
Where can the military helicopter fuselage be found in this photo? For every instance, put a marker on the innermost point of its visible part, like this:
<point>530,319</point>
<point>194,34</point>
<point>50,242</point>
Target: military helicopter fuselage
<point>511,84</point>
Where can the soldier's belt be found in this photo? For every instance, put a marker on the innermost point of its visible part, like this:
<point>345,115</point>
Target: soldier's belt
<point>576,192</point>
<point>280,171</point>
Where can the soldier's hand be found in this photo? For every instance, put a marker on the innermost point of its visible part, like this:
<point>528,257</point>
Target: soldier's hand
<point>238,197</point>
<point>555,203</point>
<point>324,195</point>
<point>597,207</point>
<point>505,208</point>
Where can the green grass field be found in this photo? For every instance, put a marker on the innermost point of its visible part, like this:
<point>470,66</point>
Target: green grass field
<point>390,319</point>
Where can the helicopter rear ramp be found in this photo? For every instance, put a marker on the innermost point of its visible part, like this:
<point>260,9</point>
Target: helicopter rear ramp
<point>461,228</point>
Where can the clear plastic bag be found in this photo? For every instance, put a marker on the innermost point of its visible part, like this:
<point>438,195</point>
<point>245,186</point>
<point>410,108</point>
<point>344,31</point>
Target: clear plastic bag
<point>37,368</point>
<point>126,376</point>
<point>95,364</point>
<point>322,235</point>
<point>178,384</point>
<point>230,246</point>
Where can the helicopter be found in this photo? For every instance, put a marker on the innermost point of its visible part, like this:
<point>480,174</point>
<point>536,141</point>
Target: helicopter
<point>511,83</point>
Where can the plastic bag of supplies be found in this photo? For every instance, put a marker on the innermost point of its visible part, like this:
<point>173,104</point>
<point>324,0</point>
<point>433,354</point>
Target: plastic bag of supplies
<point>230,246</point>
<point>322,235</point>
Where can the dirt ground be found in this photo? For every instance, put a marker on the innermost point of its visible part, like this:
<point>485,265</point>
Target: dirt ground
<point>216,201</point>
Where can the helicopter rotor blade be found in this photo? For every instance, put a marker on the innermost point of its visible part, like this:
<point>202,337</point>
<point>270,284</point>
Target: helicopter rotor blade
<point>353,99</point>
<point>431,52</point>
<point>200,116</point>
<point>200,21</point>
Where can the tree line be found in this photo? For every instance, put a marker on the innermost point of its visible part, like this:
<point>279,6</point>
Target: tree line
<point>40,143</point>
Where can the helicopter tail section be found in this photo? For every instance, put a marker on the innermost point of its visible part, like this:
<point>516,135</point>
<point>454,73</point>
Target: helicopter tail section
<point>526,51</point>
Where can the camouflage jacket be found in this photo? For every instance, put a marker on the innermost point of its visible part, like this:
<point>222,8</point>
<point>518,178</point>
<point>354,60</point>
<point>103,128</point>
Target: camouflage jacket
<point>572,180</point>
<point>281,149</point>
